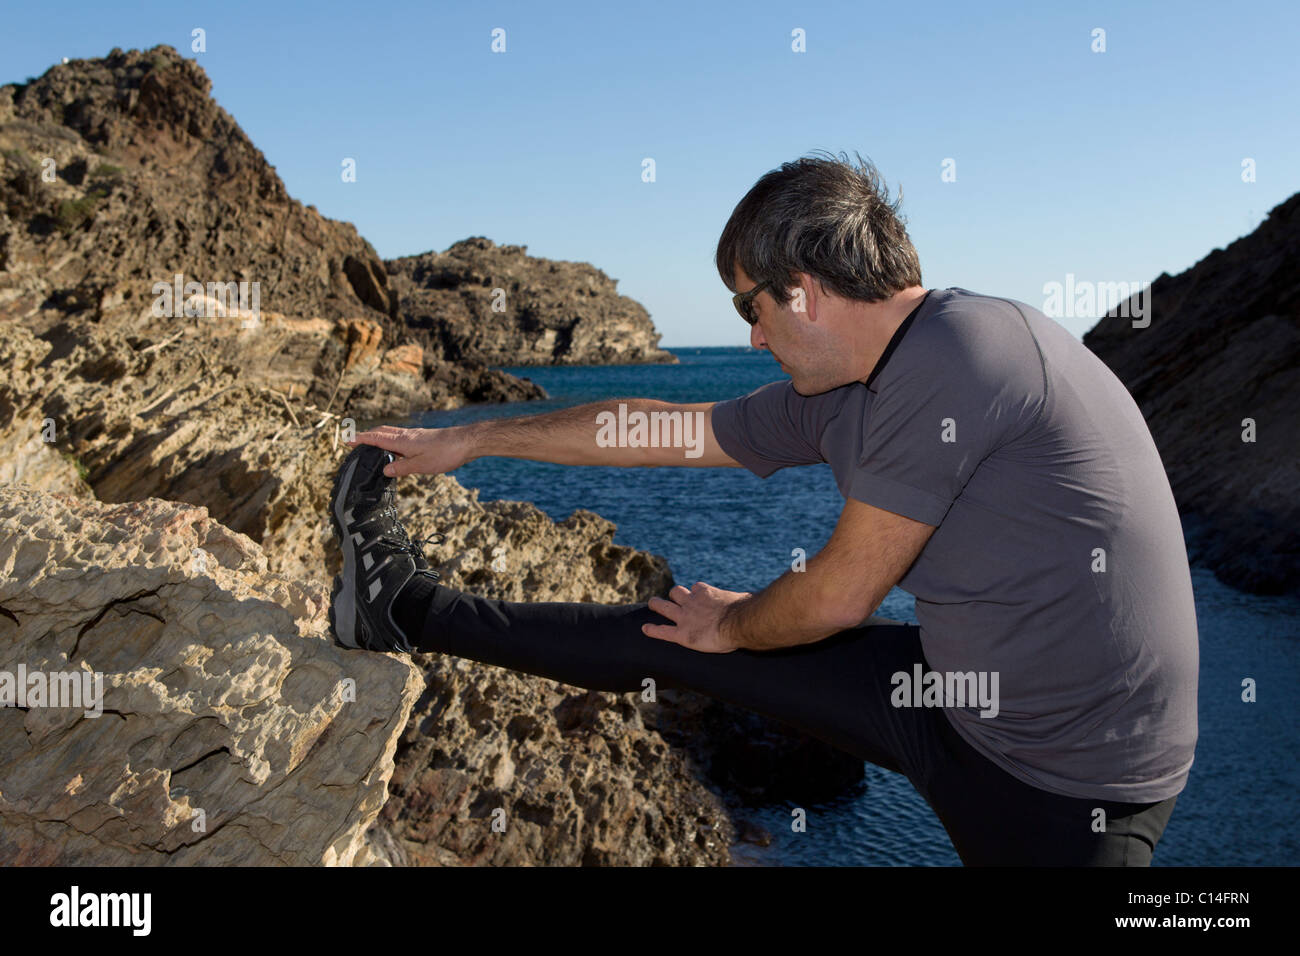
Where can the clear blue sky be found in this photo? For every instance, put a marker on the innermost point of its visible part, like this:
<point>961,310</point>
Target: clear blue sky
<point>1112,166</point>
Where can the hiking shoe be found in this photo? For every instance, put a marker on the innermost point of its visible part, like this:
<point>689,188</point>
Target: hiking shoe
<point>379,558</point>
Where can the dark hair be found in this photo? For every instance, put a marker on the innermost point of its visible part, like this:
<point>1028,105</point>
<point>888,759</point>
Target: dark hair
<point>825,217</point>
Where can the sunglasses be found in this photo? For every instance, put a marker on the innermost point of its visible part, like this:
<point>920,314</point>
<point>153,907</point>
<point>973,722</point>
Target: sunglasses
<point>743,302</point>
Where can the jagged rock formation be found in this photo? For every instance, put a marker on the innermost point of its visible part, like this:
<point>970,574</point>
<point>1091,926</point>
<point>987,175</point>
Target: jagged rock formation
<point>1223,346</point>
<point>163,424</point>
<point>135,139</point>
<point>120,173</point>
<point>221,694</point>
<point>500,306</point>
<point>577,778</point>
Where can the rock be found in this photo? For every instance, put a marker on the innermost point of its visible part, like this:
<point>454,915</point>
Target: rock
<point>221,693</point>
<point>1223,346</point>
<point>363,338</point>
<point>35,463</point>
<point>154,140</point>
<point>186,423</point>
<point>569,777</point>
<point>155,180</point>
<point>370,283</point>
<point>211,444</point>
<point>510,550</point>
<point>404,360</point>
<point>33,458</point>
<point>555,313</point>
<point>750,832</point>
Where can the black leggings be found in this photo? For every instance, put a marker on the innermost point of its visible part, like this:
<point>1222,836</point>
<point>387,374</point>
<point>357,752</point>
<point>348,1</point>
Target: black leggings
<point>836,690</point>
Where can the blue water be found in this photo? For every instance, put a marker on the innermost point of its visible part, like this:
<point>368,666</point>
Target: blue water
<point>735,531</point>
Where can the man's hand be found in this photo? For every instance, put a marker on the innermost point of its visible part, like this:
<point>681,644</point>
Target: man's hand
<point>420,451</point>
<point>869,552</point>
<point>697,615</point>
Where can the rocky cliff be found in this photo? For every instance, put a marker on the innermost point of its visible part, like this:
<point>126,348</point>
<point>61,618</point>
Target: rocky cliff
<point>123,172</point>
<point>1217,376</point>
<point>122,182</point>
<point>230,729</point>
<point>499,306</point>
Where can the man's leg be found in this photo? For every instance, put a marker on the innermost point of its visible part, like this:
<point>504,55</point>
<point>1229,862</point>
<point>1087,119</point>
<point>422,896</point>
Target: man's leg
<point>387,598</point>
<point>995,819</point>
<point>835,690</point>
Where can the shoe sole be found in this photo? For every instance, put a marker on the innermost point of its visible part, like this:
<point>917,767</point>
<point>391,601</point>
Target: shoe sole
<point>343,598</point>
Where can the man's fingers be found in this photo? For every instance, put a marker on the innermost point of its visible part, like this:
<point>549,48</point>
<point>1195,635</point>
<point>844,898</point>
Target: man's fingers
<point>387,437</point>
<point>402,466</point>
<point>664,608</point>
<point>679,593</point>
<point>386,442</point>
<point>664,632</point>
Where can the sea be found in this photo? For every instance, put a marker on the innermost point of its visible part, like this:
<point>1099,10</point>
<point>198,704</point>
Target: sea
<point>736,531</point>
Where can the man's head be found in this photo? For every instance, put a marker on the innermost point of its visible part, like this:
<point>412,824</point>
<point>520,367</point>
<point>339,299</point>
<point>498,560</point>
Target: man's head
<point>831,254</point>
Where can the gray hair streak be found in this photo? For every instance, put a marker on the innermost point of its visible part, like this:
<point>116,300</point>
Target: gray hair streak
<point>827,217</point>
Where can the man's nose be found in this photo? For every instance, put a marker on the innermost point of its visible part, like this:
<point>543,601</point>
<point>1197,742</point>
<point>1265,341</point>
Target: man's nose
<point>756,339</point>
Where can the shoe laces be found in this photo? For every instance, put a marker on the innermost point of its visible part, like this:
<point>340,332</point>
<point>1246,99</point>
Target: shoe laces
<point>394,533</point>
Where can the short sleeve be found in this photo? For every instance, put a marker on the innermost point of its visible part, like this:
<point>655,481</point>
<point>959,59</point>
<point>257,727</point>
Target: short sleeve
<point>774,427</point>
<point>936,417</point>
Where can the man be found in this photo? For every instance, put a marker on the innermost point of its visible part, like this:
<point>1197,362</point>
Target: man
<point>1045,706</point>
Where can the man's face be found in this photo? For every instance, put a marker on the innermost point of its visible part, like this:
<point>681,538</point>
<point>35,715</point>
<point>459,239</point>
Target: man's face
<point>802,348</point>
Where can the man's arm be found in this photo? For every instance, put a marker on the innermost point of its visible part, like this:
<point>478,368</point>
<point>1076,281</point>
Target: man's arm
<point>868,553</point>
<point>643,432</point>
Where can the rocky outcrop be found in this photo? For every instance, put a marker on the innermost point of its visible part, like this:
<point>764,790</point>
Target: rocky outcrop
<point>119,175</point>
<point>242,452</point>
<point>222,688</point>
<point>32,458</point>
<point>1222,351</point>
<point>499,768</point>
<point>145,169</point>
<point>230,729</point>
<point>171,423</point>
<point>500,306</point>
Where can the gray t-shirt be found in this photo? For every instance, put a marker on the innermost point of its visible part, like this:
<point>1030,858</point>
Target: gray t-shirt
<point>1058,559</point>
